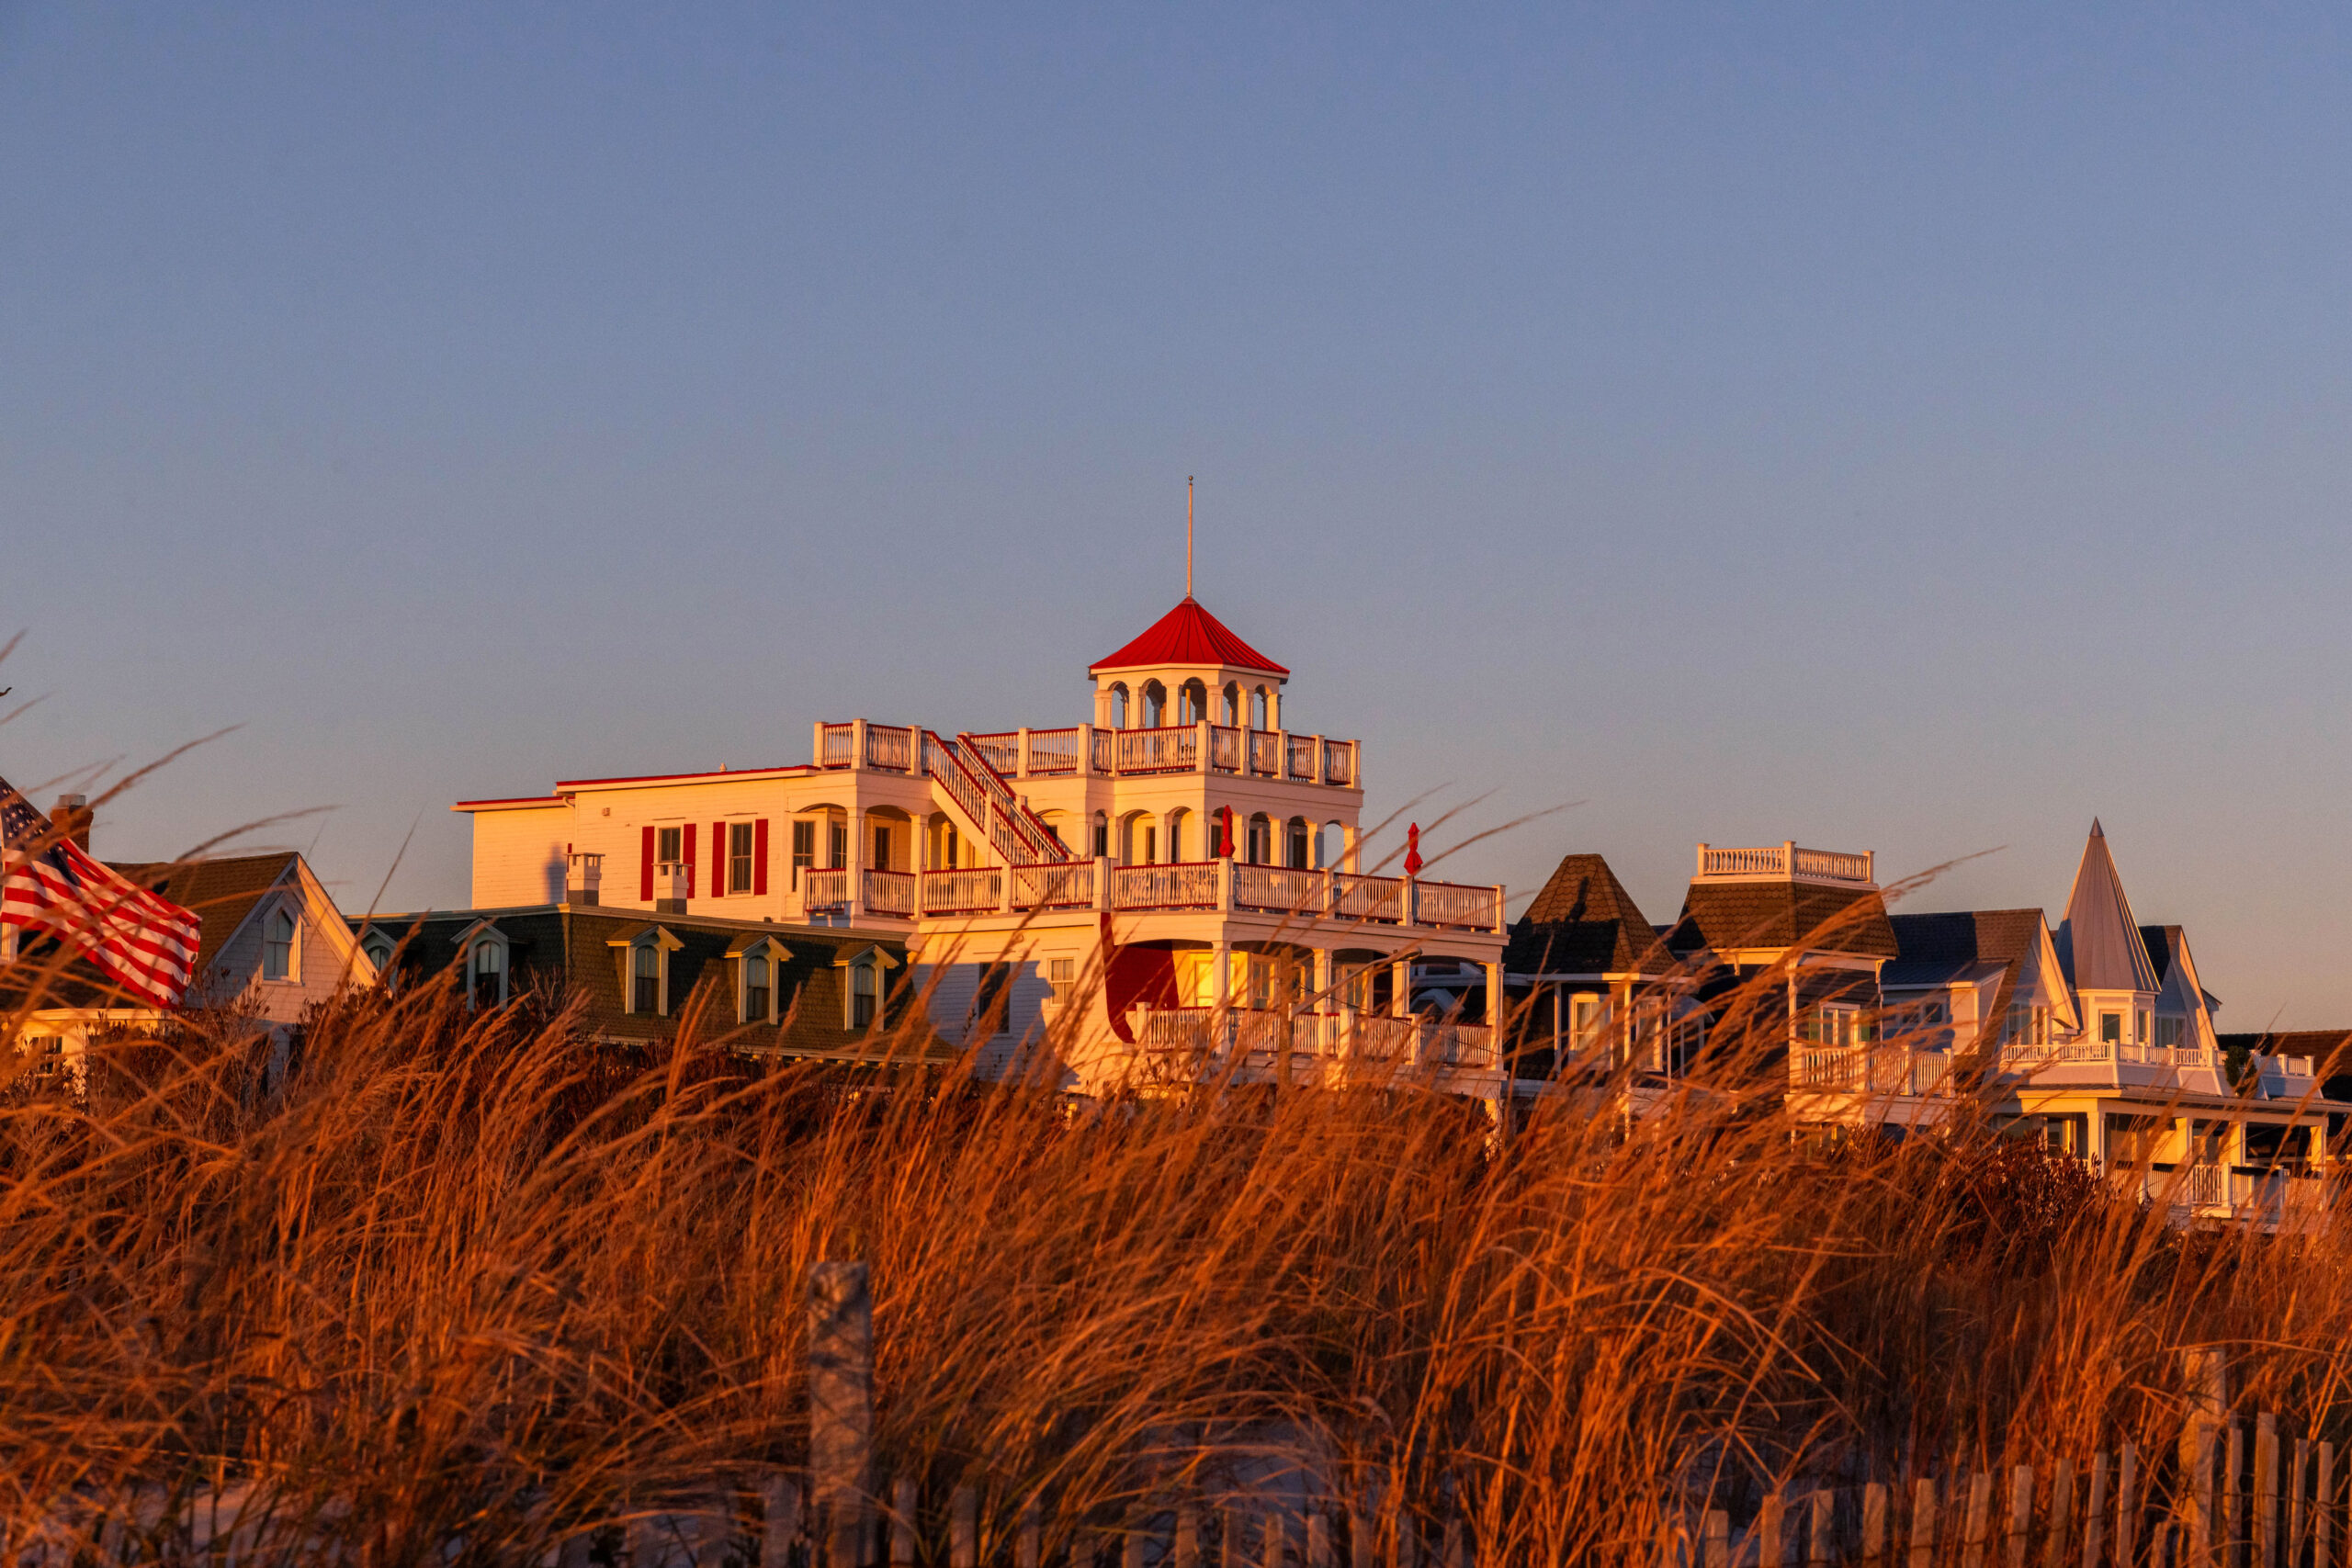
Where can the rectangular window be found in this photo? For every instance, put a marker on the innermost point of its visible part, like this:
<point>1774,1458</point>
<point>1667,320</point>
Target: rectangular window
<point>837,844</point>
<point>2168,1031</point>
<point>804,850</point>
<point>669,845</point>
<point>645,968</point>
<point>2139,1020</point>
<point>1101,836</point>
<point>1062,971</point>
<point>2110,1029</point>
<point>739,857</point>
<point>881,849</point>
<point>988,994</point>
<point>1586,1013</point>
<point>864,995</point>
<point>1837,1026</point>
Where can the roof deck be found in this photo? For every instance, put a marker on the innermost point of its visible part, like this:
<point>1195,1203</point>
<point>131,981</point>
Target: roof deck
<point>1785,862</point>
<point>1083,750</point>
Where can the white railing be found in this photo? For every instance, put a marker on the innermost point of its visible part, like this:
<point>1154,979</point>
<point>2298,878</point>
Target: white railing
<point>1277,888</point>
<point>836,743</point>
<point>890,747</point>
<point>1457,903</point>
<point>973,890</point>
<point>2200,1187</point>
<point>1294,757</point>
<point>1027,830</point>
<point>2021,1054</point>
<point>1376,1037</point>
<point>1225,748</point>
<point>1175,749</point>
<point>890,893</point>
<point>1458,1044</point>
<point>1189,886</point>
<point>1066,886</point>
<point>1787,859</point>
<point>1260,1037</point>
<point>1002,750</point>
<point>1339,763</point>
<point>824,890</point>
<point>1876,1069</point>
<point>1183,1030</point>
<point>1368,897</point>
<point>1105,754</point>
<point>1832,1068</point>
<point>1054,750</point>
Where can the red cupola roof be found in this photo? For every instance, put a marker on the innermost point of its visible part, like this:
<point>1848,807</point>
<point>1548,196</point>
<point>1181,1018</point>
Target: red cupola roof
<point>1189,634</point>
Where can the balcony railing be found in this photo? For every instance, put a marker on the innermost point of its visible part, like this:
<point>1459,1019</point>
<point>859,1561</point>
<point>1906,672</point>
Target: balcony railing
<point>1256,1037</point>
<point>1055,753</point>
<point>1212,885</point>
<point>1869,1069</point>
<point>1787,859</point>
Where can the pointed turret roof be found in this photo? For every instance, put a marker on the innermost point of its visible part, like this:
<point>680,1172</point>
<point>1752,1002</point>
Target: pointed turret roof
<point>1189,634</point>
<point>2099,945</point>
<point>1584,922</point>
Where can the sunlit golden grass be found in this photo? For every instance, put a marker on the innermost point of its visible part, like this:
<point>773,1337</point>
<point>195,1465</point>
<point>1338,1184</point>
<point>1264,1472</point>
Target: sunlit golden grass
<point>458,1286</point>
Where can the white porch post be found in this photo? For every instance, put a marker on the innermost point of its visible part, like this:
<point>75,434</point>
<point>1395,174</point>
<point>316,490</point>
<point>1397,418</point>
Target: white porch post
<point>1347,848</point>
<point>860,851</point>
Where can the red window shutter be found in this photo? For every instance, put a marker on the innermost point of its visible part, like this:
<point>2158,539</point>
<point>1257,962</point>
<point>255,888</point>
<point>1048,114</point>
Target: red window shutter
<point>760,857</point>
<point>722,864</point>
<point>645,870</point>
<point>688,834</point>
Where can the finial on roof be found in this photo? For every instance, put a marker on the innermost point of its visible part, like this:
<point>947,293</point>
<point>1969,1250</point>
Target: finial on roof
<point>1188,536</point>
<point>2097,832</point>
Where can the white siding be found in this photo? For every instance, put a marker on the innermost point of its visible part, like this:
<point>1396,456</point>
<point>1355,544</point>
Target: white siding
<point>518,857</point>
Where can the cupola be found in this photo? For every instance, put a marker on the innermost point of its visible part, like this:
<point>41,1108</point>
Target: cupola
<point>1188,665</point>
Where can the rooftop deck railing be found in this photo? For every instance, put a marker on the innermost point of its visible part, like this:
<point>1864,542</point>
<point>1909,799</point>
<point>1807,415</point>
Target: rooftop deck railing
<point>1787,859</point>
<point>1084,748</point>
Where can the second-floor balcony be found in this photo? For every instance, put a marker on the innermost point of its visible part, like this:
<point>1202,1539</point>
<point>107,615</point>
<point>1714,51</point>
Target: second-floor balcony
<point>1879,1069</point>
<point>1211,887</point>
<point>1267,1039</point>
<point>1086,749</point>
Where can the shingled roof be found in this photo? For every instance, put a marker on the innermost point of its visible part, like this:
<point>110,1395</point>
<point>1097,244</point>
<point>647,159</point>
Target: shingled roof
<point>1189,634</point>
<point>1959,938</point>
<point>2099,944</point>
<point>1728,914</point>
<point>220,893</point>
<point>1584,922</point>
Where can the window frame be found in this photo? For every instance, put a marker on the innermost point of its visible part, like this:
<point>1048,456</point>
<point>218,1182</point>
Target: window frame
<point>741,864</point>
<point>282,909</point>
<point>480,937</point>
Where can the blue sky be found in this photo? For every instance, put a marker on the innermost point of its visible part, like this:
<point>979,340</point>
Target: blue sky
<point>1914,429</point>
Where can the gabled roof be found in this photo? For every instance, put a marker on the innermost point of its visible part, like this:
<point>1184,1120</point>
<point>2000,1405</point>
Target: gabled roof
<point>1584,922</point>
<point>220,893</point>
<point>2099,945</point>
<point>1188,634</point>
<point>1727,916</point>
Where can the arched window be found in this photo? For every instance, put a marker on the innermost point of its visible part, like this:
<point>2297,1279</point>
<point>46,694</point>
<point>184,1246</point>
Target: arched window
<point>760,980</point>
<point>379,947</point>
<point>1176,821</point>
<point>1329,840</point>
<point>1302,852</point>
<point>1262,835</point>
<point>1102,833</point>
<point>1155,705</point>
<point>1258,707</point>
<point>278,960</point>
<point>862,987</point>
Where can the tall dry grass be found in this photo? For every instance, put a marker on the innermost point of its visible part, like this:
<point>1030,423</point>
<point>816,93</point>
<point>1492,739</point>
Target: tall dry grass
<point>456,1287</point>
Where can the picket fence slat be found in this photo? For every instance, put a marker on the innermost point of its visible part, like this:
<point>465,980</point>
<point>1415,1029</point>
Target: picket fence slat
<point>1923,1523</point>
<point>1874,1522</point>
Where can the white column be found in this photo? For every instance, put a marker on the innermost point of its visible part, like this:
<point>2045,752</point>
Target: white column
<point>1348,848</point>
<point>1326,1006</point>
<point>861,847</point>
<point>1495,1000</point>
<point>1273,707</point>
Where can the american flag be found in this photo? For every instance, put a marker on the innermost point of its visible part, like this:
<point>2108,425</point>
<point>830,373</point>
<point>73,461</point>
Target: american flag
<point>146,943</point>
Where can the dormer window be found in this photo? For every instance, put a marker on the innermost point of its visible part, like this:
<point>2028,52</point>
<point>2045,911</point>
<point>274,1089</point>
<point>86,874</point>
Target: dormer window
<point>759,977</point>
<point>644,962</point>
<point>379,947</point>
<point>486,983</point>
<point>279,931</point>
<point>645,979</point>
<point>862,987</point>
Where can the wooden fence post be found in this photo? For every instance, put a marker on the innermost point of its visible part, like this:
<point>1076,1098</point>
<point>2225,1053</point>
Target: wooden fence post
<point>1819,1548</point>
<point>2323,1507</point>
<point>1318,1539</point>
<point>2298,1517</point>
<point>840,1405</point>
<point>2062,1515</point>
<point>780,1520</point>
<point>1028,1537</point>
<point>1131,1546</point>
<point>964,1528</point>
<point>2095,1512</point>
<point>1768,1533</point>
<point>1450,1554</point>
<point>2020,1513</point>
<point>1361,1547</point>
<point>1874,1522</point>
<point>1980,1520</point>
<point>2266,1490</point>
<point>902,1522</point>
<point>1718,1538</point>
<point>1184,1552</point>
<point>2127,1505</point>
<point>2232,1485</point>
<point>1923,1523</point>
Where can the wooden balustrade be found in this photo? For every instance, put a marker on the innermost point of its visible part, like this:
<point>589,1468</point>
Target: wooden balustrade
<point>1788,860</point>
<point>970,891</point>
<point>1225,748</point>
<point>890,893</point>
<point>1299,760</point>
<point>1368,897</point>
<point>1266,753</point>
<point>1002,750</point>
<point>834,745</point>
<point>1066,886</point>
<point>827,889</point>
<point>1833,865</point>
<point>1174,750</point>
<point>1457,905</point>
<point>890,747</point>
<point>1054,750</point>
<point>1105,752</point>
<point>1191,885</point>
<point>1339,763</point>
<point>1278,889</point>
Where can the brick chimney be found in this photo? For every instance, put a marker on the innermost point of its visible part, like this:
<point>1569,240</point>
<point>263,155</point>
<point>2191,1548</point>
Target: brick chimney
<point>71,817</point>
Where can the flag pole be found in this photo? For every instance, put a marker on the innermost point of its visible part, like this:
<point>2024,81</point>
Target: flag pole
<point>1188,536</point>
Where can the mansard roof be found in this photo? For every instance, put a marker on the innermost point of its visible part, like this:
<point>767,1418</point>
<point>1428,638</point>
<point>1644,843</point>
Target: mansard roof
<point>1584,922</point>
<point>1825,918</point>
<point>1189,634</point>
<point>1964,944</point>
<point>2099,944</point>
